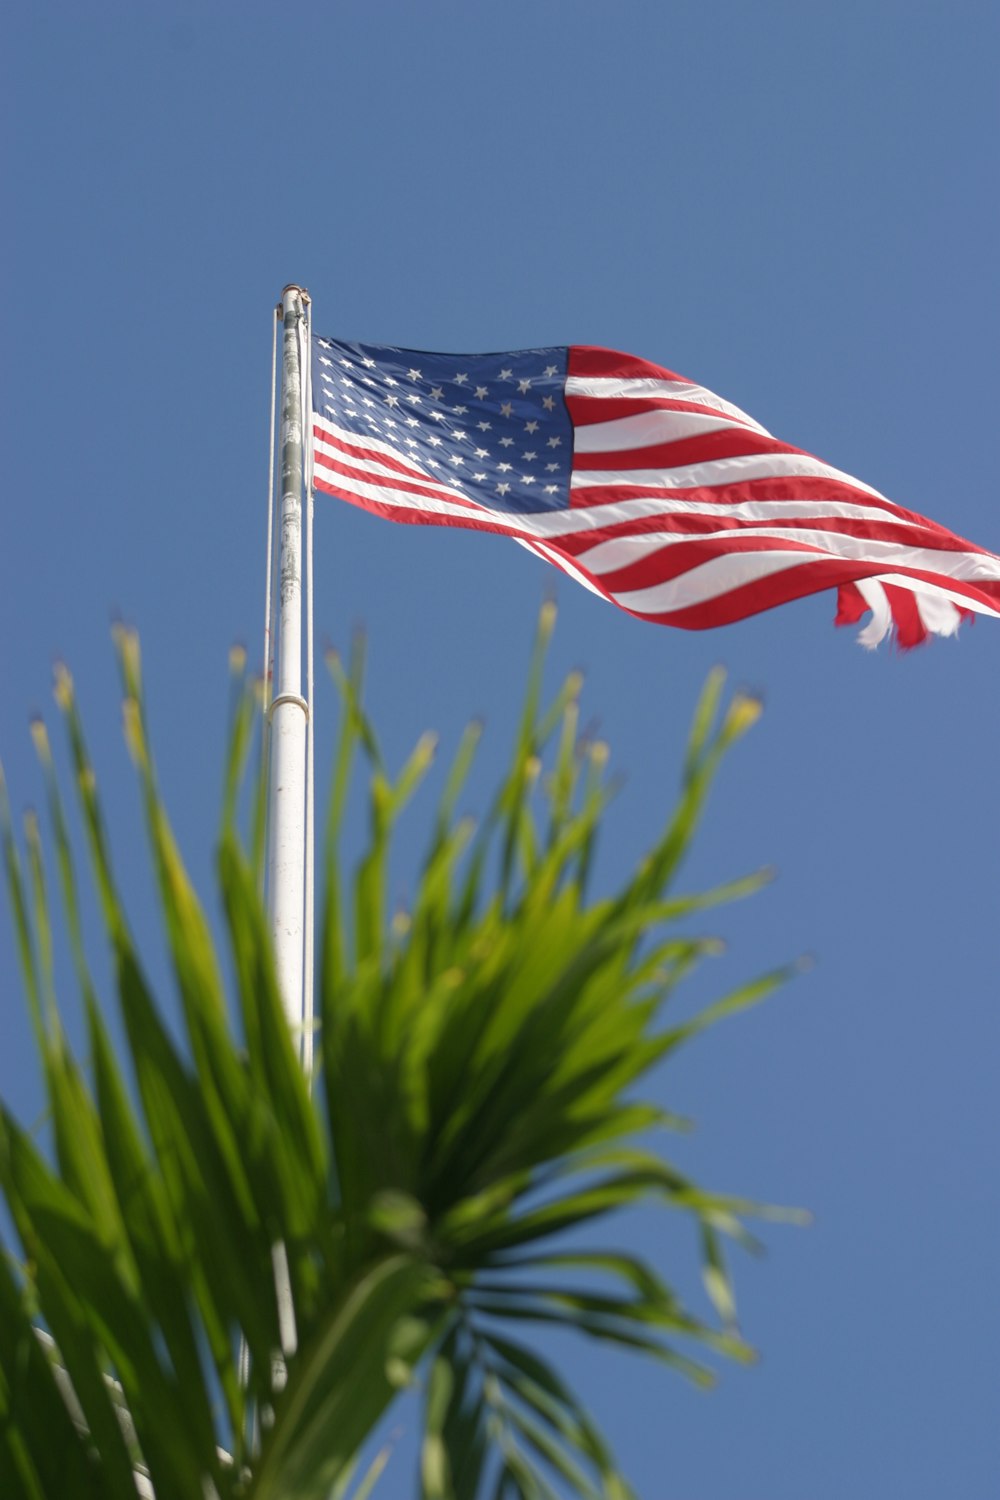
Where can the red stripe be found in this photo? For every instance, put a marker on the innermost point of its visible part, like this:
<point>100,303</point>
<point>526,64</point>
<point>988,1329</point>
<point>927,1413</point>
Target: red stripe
<point>677,560</point>
<point>716,523</point>
<point>407,486</point>
<point>590,359</point>
<point>910,628</point>
<point>850,605</point>
<point>671,562</point>
<point>804,487</point>
<point>754,598</point>
<point>360,450</point>
<point>717,496</point>
<point>586,411</point>
<point>474,520</point>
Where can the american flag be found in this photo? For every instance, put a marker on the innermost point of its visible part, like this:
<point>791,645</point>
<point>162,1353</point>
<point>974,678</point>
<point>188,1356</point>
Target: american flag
<point>644,486</point>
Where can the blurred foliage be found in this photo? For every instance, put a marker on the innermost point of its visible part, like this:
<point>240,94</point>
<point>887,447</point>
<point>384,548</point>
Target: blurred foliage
<point>227,1270</point>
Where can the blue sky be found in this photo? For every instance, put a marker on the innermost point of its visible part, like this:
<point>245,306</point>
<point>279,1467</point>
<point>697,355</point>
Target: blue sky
<point>792,203</point>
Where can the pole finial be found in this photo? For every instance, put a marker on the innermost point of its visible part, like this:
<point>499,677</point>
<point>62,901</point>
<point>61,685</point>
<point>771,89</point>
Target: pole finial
<point>287,293</point>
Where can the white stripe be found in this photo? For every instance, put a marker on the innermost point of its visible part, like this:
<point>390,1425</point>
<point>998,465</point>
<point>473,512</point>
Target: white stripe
<point>421,504</point>
<point>938,615</point>
<point>721,575</point>
<point>647,428</point>
<point>880,624</point>
<point>362,440</point>
<point>721,471</point>
<point>709,581</point>
<point>565,564</point>
<point>367,465</point>
<point>382,471</point>
<point>919,587</point>
<point>969,567</point>
<point>746,510</point>
<point>613,387</point>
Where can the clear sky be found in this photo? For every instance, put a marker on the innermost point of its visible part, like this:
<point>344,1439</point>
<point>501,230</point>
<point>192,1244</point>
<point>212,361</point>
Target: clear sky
<point>796,205</point>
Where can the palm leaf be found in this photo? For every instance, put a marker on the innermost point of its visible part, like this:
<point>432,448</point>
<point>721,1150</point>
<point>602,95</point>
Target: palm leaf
<point>479,1100</point>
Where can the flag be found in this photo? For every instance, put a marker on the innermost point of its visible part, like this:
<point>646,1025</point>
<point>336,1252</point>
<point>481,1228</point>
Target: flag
<point>647,488</point>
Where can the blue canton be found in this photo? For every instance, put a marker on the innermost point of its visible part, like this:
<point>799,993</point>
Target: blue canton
<point>493,426</point>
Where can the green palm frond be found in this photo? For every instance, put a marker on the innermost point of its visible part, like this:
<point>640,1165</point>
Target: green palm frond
<point>226,1271</point>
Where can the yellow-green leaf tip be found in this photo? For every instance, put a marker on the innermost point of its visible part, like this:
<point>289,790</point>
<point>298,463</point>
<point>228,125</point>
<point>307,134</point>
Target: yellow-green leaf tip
<point>40,738</point>
<point>744,711</point>
<point>62,685</point>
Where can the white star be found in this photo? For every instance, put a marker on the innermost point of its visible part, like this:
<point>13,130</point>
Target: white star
<point>551,468</point>
<point>412,443</point>
<point>482,392</point>
<point>388,422</point>
<point>324,343</point>
<point>461,379</point>
<point>323,359</point>
<point>506,409</point>
<point>438,416</point>
<point>330,408</point>
<point>346,363</point>
<point>389,400</point>
<point>432,463</point>
<point>437,392</point>
<point>412,422</point>
<point>528,478</point>
<point>369,364</point>
<point>502,489</point>
<point>482,453</point>
<point>549,403</point>
<point>552,489</point>
<point>457,458</point>
<point>484,426</point>
<point>414,399</point>
<point>531,426</point>
<point>389,380</point>
<point>434,440</point>
<point>460,410</point>
<point>458,434</point>
<point>369,381</point>
<point>506,442</point>
<point>551,369</point>
<point>479,477</point>
<point>414,375</point>
<point>504,468</point>
<point>555,442</point>
<point>506,374</point>
<point>529,455</point>
<point>524,386</point>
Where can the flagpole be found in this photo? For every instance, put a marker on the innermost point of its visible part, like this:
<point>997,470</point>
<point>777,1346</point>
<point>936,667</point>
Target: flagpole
<point>289,711</point>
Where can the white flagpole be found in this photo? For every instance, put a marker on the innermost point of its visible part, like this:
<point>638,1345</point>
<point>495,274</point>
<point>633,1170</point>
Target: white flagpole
<point>289,711</point>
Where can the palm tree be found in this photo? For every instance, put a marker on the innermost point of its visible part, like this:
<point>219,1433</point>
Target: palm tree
<point>227,1271</point>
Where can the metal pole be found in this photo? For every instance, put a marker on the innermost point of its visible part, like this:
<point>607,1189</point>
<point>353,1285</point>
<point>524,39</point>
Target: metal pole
<point>289,710</point>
